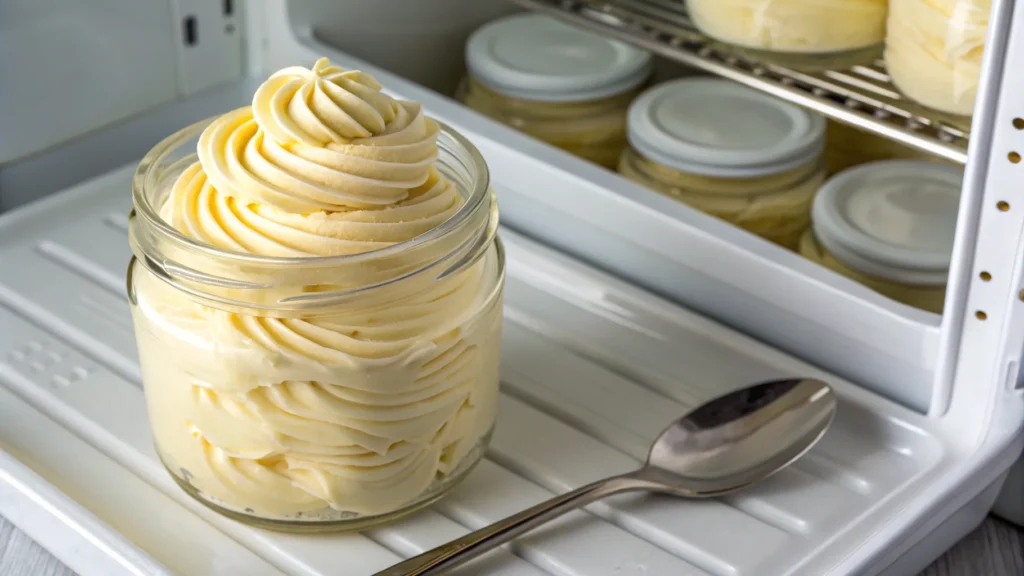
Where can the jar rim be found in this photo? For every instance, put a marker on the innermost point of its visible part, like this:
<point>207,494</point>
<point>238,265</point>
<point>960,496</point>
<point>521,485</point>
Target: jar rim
<point>146,176</point>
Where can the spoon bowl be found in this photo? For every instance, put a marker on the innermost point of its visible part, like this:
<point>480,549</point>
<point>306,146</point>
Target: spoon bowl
<point>741,438</point>
<point>721,446</point>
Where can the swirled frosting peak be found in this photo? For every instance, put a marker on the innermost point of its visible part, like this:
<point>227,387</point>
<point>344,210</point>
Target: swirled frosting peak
<point>322,163</point>
<point>324,105</point>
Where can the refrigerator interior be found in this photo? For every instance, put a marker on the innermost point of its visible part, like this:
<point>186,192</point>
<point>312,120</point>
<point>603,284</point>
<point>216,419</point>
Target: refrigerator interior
<point>609,334</point>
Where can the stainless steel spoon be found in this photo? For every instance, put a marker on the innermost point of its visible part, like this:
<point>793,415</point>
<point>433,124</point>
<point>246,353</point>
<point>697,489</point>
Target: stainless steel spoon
<point>722,446</point>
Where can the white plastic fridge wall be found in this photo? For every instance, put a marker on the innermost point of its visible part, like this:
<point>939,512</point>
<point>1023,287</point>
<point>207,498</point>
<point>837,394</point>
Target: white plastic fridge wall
<point>592,369</point>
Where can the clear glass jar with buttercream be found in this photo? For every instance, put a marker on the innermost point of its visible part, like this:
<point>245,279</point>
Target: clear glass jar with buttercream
<point>729,151</point>
<point>795,27</point>
<point>934,50</point>
<point>889,225</point>
<point>560,84</point>
<point>310,367</point>
<point>775,207</point>
<point>928,297</point>
<point>594,130</point>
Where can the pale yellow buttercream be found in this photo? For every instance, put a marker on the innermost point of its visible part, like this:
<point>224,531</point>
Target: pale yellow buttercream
<point>357,410</point>
<point>925,297</point>
<point>809,26</point>
<point>591,129</point>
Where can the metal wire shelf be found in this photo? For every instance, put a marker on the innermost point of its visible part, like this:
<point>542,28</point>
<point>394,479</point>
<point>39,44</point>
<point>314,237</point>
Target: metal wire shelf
<point>859,95</point>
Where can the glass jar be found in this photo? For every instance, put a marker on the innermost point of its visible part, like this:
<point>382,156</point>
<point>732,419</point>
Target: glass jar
<point>560,84</point>
<point>933,51</point>
<point>924,296</point>
<point>890,226</point>
<point>776,208</point>
<point>318,393</point>
<point>728,151</point>
<point>594,130</point>
<point>793,26</point>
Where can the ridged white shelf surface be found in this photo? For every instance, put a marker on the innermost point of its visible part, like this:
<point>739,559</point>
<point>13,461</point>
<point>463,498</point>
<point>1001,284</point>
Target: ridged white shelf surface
<point>593,368</point>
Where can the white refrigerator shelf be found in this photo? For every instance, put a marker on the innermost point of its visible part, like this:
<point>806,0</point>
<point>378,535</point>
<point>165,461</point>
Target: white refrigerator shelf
<point>592,369</point>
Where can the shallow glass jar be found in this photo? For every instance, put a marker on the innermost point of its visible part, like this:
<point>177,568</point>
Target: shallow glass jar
<point>728,151</point>
<point>805,27</point>
<point>318,393</point>
<point>889,226</point>
<point>934,48</point>
<point>562,85</point>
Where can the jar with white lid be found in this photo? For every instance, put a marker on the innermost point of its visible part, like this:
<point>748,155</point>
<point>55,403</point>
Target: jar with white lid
<point>890,226</point>
<point>807,27</point>
<point>729,151</point>
<point>560,84</point>
<point>934,48</point>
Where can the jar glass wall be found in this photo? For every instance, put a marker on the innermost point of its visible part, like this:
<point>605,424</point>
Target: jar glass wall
<point>934,49</point>
<point>593,129</point>
<point>929,297</point>
<point>323,392</point>
<point>560,84</point>
<point>775,207</point>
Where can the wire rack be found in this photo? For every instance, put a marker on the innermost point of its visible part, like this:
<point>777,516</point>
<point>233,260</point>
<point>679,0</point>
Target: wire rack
<point>860,95</point>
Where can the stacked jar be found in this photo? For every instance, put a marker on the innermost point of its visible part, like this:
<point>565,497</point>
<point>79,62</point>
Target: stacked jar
<point>934,50</point>
<point>832,28</point>
<point>560,84</point>
<point>728,151</point>
<point>890,226</point>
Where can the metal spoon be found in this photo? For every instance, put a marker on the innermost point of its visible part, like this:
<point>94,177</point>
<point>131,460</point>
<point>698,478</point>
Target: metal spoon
<point>722,446</point>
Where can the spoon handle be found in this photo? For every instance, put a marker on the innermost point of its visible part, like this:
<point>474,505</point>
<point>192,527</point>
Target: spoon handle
<point>457,552</point>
